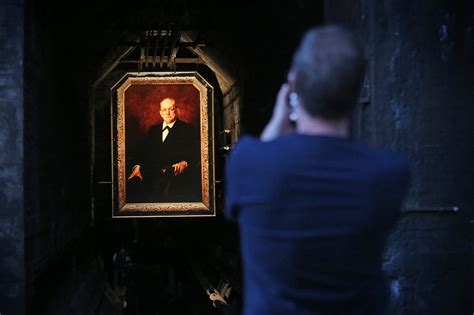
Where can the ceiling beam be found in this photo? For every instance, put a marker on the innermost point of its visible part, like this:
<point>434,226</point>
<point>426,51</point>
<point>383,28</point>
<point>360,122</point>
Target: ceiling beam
<point>149,59</point>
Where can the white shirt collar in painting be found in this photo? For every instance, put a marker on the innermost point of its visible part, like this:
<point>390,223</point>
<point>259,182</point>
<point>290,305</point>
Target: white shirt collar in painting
<point>168,125</point>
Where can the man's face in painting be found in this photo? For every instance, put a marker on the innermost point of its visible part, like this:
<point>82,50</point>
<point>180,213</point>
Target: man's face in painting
<point>168,110</point>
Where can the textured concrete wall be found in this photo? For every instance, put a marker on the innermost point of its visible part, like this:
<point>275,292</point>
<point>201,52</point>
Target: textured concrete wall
<point>12,296</point>
<point>421,91</point>
<point>422,94</point>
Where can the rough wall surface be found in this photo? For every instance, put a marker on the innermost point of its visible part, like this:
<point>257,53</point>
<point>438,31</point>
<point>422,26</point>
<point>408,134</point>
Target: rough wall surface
<point>421,79</point>
<point>12,292</point>
<point>56,202</point>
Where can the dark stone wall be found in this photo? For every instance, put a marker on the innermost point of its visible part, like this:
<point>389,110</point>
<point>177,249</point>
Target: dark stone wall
<point>56,162</point>
<point>423,93</point>
<point>12,276</point>
<point>421,88</point>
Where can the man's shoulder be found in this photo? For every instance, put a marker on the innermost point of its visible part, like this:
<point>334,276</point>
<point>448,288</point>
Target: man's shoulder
<point>155,128</point>
<point>390,164</point>
<point>391,158</point>
<point>243,150</point>
<point>246,140</point>
<point>246,144</point>
<point>179,124</point>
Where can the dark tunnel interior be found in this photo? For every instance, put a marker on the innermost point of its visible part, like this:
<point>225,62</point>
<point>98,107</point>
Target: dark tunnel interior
<point>166,264</point>
<point>63,252</point>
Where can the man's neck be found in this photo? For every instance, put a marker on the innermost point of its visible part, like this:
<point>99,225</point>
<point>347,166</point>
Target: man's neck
<point>319,126</point>
<point>171,124</point>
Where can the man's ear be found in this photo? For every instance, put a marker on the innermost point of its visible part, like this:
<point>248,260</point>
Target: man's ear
<point>291,77</point>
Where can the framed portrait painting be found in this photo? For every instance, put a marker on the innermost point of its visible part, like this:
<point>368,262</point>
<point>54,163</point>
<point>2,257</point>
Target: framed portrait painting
<point>162,145</point>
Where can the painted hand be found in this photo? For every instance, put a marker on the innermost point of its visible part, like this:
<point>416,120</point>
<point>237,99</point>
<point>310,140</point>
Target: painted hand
<point>136,173</point>
<point>179,167</point>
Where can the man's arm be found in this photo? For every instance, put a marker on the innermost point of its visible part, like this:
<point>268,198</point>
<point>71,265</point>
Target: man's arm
<point>141,156</point>
<point>188,148</point>
<point>280,123</point>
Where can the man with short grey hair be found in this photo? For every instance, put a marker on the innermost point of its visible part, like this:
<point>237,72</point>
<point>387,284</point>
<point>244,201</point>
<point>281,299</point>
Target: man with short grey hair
<point>314,208</point>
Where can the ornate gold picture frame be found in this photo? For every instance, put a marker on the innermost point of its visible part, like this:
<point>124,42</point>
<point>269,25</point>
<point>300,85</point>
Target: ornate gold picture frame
<point>162,145</point>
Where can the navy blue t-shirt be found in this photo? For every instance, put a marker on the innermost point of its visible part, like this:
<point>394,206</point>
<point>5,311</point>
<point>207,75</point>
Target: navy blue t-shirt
<point>314,213</point>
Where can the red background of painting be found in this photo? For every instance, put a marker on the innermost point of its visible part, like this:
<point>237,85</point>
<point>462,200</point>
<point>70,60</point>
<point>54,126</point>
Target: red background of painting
<point>142,104</point>
<point>142,110</point>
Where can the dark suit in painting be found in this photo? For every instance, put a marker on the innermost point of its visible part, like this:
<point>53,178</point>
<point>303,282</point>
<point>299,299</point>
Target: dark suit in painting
<point>160,184</point>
